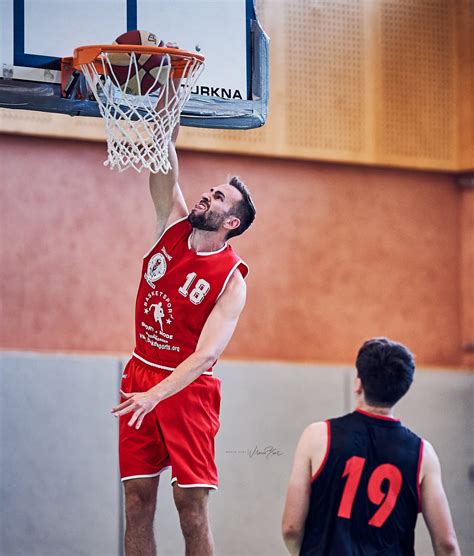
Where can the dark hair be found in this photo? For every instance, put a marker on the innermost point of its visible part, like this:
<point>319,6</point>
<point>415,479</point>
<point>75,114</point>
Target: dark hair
<point>386,370</point>
<point>244,209</point>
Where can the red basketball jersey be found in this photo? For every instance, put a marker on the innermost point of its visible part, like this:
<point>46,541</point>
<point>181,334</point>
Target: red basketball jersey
<point>178,289</point>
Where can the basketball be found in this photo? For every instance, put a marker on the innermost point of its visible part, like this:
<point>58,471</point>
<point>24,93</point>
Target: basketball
<point>142,77</point>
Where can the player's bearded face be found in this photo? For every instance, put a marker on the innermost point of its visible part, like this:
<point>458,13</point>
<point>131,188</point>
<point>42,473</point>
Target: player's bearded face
<point>203,218</point>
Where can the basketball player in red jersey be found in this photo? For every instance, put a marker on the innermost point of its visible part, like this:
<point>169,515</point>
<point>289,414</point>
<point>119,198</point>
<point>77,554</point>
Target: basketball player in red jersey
<point>359,481</point>
<point>190,296</point>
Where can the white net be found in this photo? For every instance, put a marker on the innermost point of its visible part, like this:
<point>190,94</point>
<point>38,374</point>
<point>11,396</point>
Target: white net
<point>140,105</point>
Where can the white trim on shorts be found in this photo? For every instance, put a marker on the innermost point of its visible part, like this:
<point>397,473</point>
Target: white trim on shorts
<point>175,480</point>
<point>146,476</point>
<point>152,364</point>
<point>170,369</point>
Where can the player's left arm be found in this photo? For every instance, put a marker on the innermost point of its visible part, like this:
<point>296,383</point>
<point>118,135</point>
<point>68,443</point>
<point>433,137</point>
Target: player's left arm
<point>214,337</point>
<point>308,458</point>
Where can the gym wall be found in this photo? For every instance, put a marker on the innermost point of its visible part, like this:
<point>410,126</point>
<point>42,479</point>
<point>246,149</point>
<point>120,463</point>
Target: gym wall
<point>59,472</point>
<point>337,254</point>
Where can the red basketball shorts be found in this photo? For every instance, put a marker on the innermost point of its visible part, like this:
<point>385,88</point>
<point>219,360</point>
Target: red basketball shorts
<point>179,433</point>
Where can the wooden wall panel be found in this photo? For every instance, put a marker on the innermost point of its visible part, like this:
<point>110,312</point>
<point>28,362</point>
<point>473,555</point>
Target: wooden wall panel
<point>417,110</point>
<point>325,88</point>
<point>465,68</point>
<point>381,82</point>
<point>27,122</point>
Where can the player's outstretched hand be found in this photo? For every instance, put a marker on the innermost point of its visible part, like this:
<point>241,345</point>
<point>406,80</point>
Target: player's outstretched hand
<point>174,82</point>
<point>140,403</point>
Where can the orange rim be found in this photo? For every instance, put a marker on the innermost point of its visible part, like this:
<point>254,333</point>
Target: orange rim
<point>84,55</point>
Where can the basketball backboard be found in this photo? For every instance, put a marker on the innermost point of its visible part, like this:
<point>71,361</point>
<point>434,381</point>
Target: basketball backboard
<point>231,93</point>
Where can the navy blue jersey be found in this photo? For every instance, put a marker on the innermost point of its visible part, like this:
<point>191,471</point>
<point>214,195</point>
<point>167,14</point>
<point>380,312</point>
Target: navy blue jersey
<point>365,497</point>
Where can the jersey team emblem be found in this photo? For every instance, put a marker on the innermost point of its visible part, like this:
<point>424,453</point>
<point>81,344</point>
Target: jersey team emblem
<point>156,268</point>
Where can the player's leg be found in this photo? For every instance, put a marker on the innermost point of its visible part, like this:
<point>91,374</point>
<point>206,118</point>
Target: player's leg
<point>143,457</point>
<point>192,506</point>
<point>140,505</point>
<point>189,421</point>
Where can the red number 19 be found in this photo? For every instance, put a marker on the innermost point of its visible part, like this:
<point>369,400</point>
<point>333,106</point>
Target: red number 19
<point>385,500</point>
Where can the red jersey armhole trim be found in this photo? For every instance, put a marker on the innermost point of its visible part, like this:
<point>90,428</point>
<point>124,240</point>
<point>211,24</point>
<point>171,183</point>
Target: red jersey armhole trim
<point>237,266</point>
<point>163,233</point>
<point>418,470</point>
<point>244,269</point>
<point>328,446</point>
<point>375,416</point>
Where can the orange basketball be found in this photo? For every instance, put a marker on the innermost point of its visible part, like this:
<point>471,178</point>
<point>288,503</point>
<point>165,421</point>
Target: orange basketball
<point>144,76</point>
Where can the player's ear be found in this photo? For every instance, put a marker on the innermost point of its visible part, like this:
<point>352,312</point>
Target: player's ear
<point>231,223</point>
<point>358,389</point>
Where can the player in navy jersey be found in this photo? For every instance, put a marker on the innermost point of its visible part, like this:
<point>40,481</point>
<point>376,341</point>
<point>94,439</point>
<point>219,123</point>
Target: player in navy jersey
<point>190,297</point>
<point>359,481</point>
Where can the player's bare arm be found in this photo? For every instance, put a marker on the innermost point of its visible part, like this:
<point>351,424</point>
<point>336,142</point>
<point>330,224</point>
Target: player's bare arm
<point>308,458</point>
<point>165,191</point>
<point>435,505</point>
<point>215,336</point>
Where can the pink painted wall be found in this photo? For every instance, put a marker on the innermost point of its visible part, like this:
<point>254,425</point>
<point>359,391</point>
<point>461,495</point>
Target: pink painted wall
<point>337,254</point>
<point>467,275</point>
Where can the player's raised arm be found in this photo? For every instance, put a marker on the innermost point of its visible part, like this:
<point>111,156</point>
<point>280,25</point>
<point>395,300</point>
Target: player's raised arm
<point>435,507</point>
<point>165,191</point>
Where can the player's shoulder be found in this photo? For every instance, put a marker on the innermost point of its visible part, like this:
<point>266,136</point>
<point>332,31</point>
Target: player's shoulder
<point>235,291</point>
<point>316,428</point>
<point>236,284</point>
<point>411,435</point>
<point>315,433</point>
<point>430,457</point>
<point>348,421</point>
<point>176,228</point>
<point>430,464</point>
<point>173,233</point>
<point>237,280</point>
<point>181,223</point>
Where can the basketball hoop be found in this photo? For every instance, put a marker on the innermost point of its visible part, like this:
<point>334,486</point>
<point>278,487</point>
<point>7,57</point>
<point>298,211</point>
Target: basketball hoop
<point>140,105</point>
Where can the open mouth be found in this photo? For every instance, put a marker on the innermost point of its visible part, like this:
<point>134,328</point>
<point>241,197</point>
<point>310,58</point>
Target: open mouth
<point>201,205</point>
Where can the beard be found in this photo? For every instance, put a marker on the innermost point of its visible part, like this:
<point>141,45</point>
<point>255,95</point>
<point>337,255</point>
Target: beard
<point>208,221</point>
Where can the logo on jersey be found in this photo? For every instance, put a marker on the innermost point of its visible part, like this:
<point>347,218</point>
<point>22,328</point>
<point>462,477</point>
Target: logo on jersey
<point>156,269</point>
<point>158,312</point>
<point>158,305</point>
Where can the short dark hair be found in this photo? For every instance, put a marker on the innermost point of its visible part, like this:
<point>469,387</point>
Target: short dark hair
<point>386,370</point>
<point>244,209</point>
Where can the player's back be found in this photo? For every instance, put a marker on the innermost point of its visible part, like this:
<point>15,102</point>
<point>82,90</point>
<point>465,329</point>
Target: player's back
<point>365,497</point>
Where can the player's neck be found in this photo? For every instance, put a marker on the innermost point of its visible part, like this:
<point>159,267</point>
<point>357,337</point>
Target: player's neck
<point>384,411</point>
<point>204,241</point>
